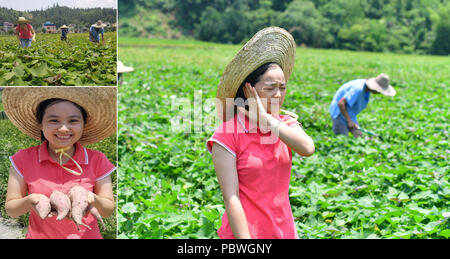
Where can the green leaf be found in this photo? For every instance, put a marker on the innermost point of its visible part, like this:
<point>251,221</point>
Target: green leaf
<point>8,76</point>
<point>40,70</point>
<point>19,82</point>
<point>19,70</point>
<point>403,197</point>
<point>445,233</point>
<point>129,208</point>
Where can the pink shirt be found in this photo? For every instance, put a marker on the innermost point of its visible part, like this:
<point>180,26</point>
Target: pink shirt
<point>25,33</point>
<point>44,175</point>
<point>263,165</point>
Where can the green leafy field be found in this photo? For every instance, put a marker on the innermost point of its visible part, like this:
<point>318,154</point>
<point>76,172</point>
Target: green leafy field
<point>350,188</point>
<point>50,61</point>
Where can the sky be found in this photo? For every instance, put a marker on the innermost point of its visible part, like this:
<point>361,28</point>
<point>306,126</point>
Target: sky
<point>30,5</point>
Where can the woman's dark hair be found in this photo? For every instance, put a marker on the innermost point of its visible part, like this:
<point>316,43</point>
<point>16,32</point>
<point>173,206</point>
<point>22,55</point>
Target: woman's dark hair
<point>40,110</point>
<point>253,78</point>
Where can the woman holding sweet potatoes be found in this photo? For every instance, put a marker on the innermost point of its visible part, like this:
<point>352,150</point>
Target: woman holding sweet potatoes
<point>64,119</point>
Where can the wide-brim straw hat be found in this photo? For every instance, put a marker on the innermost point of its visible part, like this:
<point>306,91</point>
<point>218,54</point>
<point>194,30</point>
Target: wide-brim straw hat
<point>121,68</point>
<point>272,44</point>
<point>381,85</point>
<point>20,105</point>
<point>64,27</point>
<point>23,20</point>
<point>98,24</point>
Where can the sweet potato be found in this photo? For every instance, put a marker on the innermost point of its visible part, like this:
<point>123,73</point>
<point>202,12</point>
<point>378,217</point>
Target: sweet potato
<point>61,203</point>
<point>78,198</point>
<point>43,207</point>
<point>96,214</point>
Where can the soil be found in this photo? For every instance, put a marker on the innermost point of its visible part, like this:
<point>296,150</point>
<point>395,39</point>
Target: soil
<point>11,229</point>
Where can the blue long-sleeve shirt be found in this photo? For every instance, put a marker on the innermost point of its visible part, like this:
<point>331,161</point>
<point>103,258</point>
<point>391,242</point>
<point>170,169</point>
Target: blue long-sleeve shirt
<point>355,96</point>
<point>95,32</point>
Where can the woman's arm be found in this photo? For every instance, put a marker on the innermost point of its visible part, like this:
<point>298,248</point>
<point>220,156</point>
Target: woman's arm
<point>294,137</point>
<point>103,197</point>
<point>225,166</point>
<point>17,34</point>
<point>17,202</point>
<point>33,33</point>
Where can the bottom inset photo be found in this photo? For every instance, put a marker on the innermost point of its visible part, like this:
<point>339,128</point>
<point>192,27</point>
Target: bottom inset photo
<point>58,162</point>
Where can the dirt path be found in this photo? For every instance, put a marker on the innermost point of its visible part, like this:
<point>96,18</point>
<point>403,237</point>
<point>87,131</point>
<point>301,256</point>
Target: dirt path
<point>10,229</point>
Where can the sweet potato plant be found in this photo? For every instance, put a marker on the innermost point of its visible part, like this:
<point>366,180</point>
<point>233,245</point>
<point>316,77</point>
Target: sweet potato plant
<point>50,61</point>
<point>350,188</point>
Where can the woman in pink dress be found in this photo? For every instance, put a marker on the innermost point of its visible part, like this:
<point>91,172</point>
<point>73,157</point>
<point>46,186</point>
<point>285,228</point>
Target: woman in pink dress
<point>252,149</point>
<point>64,119</point>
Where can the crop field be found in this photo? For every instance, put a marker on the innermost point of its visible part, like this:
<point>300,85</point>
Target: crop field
<point>50,61</point>
<point>397,187</point>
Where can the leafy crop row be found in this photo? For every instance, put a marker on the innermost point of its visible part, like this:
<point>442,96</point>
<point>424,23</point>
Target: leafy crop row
<point>50,61</point>
<point>350,188</point>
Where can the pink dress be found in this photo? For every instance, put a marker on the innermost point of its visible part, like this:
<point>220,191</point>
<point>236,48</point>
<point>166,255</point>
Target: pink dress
<point>44,175</point>
<point>263,165</point>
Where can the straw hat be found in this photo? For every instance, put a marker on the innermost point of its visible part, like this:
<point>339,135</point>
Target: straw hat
<point>20,104</point>
<point>23,20</point>
<point>98,24</point>
<point>381,85</point>
<point>64,27</point>
<point>121,68</point>
<point>272,44</point>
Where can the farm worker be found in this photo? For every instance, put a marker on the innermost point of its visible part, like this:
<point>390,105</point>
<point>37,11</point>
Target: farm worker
<point>64,120</point>
<point>95,31</point>
<point>25,32</point>
<point>121,68</point>
<point>64,32</point>
<point>351,98</point>
<point>252,148</point>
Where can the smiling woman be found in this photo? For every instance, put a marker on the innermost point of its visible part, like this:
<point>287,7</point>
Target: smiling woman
<point>60,115</point>
<point>64,119</point>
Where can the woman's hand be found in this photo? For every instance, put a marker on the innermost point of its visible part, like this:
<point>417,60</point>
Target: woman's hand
<point>257,114</point>
<point>91,197</point>
<point>35,198</point>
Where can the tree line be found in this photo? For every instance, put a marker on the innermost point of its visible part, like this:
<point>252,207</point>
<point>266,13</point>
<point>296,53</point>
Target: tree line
<point>413,26</point>
<point>60,15</point>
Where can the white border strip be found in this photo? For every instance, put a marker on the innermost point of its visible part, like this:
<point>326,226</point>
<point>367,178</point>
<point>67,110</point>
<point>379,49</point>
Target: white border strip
<point>105,175</point>
<point>15,167</point>
<point>220,143</point>
<point>86,156</point>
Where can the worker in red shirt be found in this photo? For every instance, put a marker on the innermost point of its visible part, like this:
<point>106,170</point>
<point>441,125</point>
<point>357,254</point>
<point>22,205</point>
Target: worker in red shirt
<point>25,32</point>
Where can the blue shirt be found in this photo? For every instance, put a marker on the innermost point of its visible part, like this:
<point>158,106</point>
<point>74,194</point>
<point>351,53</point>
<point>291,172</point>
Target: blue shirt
<point>95,33</point>
<point>355,96</point>
<point>64,32</point>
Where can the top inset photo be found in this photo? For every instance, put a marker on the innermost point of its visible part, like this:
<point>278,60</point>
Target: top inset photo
<point>58,43</point>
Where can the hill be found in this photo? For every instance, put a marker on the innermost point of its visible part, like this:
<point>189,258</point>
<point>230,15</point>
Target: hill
<point>416,26</point>
<point>60,15</point>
